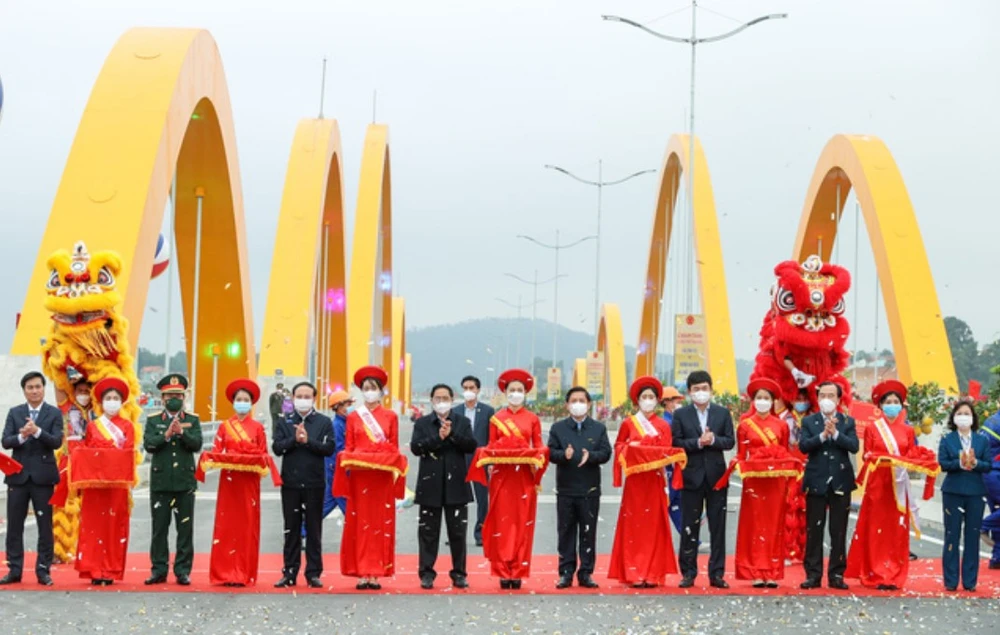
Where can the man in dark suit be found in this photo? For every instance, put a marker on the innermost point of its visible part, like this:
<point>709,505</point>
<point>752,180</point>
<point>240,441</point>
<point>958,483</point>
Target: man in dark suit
<point>705,431</point>
<point>828,438</point>
<point>303,440</point>
<point>33,430</point>
<point>479,416</point>
<point>442,440</point>
<point>578,446</point>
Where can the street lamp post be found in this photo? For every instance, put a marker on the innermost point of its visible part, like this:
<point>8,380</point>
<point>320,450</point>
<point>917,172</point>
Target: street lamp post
<point>534,308</point>
<point>555,293</point>
<point>600,184</point>
<point>518,307</point>
<point>694,41</point>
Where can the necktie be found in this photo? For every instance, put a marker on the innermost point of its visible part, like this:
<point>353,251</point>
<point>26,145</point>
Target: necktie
<point>578,426</point>
<point>34,415</point>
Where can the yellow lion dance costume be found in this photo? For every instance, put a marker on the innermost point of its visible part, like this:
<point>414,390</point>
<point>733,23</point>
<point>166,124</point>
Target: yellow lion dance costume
<point>89,340</point>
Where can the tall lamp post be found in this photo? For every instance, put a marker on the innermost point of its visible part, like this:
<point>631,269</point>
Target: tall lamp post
<point>534,308</point>
<point>600,184</point>
<point>518,307</point>
<point>555,294</point>
<point>694,41</point>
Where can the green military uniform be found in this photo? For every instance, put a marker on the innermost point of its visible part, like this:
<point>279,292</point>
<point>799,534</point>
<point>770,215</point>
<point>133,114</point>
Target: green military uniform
<point>172,484</point>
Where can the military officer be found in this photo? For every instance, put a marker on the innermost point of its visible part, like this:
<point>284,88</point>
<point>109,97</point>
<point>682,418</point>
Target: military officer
<point>172,437</point>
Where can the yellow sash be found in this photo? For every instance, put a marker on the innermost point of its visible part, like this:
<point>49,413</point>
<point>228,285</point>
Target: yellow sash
<point>642,425</point>
<point>235,428</point>
<point>104,425</point>
<point>508,428</point>
<point>767,436</point>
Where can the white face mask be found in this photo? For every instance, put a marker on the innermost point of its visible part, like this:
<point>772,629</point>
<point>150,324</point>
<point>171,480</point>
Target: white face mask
<point>763,405</point>
<point>701,397</point>
<point>303,404</point>
<point>372,396</point>
<point>442,407</point>
<point>647,405</point>
<point>827,406</point>
<point>468,395</point>
<point>964,422</point>
<point>83,400</point>
<point>111,407</point>
<point>515,398</point>
<point>578,409</point>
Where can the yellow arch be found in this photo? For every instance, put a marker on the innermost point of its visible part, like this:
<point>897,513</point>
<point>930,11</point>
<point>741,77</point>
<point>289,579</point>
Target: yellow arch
<point>864,162</point>
<point>160,107</point>
<point>407,381</point>
<point>311,217</point>
<point>579,372</point>
<point>369,324</point>
<point>397,366</point>
<point>611,342</point>
<point>720,355</point>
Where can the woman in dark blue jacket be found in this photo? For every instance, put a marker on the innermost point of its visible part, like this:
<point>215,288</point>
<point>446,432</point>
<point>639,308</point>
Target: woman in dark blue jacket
<point>964,457</point>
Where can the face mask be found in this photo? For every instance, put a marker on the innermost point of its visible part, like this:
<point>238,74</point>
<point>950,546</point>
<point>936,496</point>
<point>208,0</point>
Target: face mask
<point>83,400</point>
<point>964,422</point>
<point>647,405</point>
<point>111,406</point>
<point>801,406</point>
<point>242,407</point>
<point>892,410</point>
<point>350,409</point>
<point>174,404</point>
<point>827,406</point>
<point>468,395</point>
<point>515,398</point>
<point>762,405</point>
<point>372,396</point>
<point>303,404</point>
<point>578,409</point>
<point>442,407</point>
<point>701,397</point>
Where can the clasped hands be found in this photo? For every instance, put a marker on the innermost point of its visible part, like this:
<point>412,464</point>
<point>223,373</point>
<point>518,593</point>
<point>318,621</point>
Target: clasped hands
<point>706,439</point>
<point>570,452</point>
<point>173,429</point>
<point>301,436</point>
<point>29,429</point>
<point>967,459</point>
<point>445,429</point>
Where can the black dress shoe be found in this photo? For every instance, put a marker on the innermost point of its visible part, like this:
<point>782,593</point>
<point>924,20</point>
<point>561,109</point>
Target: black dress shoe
<point>913,556</point>
<point>156,579</point>
<point>427,583</point>
<point>284,582</point>
<point>994,565</point>
<point>515,584</point>
<point>314,583</point>
<point>718,583</point>
<point>374,586</point>
<point>886,587</point>
<point>564,582</point>
<point>837,583</point>
<point>102,582</point>
<point>771,584</point>
<point>951,588</point>
<point>361,586</point>
<point>504,583</point>
<point>759,584</point>
<point>587,582</point>
<point>45,579</point>
<point>686,582</point>
<point>460,582</point>
<point>811,583</point>
<point>479,542</point>
<point>10,579</point>
<point>184,580</point>
<point>970,589</point>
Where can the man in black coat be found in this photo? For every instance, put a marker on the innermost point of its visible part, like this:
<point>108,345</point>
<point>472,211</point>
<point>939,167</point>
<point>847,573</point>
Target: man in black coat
<point>33,430</point>
<point>303,440</point>
<point>705,431</point>
<point>578,446</point>
<point>442,440</point>
<point>829,438</point>
<point>479,415</point>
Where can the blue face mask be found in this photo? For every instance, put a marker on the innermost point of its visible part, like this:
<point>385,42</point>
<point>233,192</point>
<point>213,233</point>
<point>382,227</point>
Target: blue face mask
<point>892,410</point>
<point>350,409</point>
<point>801,406</point>
<point>242,407</point>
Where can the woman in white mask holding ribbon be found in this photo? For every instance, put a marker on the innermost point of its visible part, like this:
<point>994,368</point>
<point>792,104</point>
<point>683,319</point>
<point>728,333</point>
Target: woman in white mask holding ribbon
<point>964,455</point>
<point>643,551</point>
<point>371,474</point>
<point>516,459</point>
<point>104,468</point>
<point>880,549</point>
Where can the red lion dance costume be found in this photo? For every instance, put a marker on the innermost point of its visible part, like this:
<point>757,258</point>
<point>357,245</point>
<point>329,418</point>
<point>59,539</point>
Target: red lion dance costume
<point>802,344</point>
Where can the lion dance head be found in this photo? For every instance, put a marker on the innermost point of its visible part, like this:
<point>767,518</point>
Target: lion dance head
<point>805,328</point>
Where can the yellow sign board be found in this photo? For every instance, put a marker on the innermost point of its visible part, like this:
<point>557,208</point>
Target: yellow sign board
<point>554,383</point>
<point>689,346</point>
<point>595,374</point>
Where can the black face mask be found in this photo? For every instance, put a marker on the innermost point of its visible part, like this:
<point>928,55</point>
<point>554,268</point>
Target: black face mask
<point>174,404</point>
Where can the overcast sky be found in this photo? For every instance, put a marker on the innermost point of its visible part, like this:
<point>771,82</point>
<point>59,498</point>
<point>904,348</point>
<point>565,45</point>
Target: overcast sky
<point>480,95</point>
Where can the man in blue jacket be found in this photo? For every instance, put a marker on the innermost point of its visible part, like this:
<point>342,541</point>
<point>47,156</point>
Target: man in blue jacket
<point>340,402</point>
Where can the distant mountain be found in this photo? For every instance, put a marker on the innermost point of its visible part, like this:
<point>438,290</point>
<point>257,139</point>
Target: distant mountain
<point>448,352</point>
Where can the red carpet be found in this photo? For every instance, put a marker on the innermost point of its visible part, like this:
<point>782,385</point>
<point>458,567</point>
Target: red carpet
<point>924,580</point>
